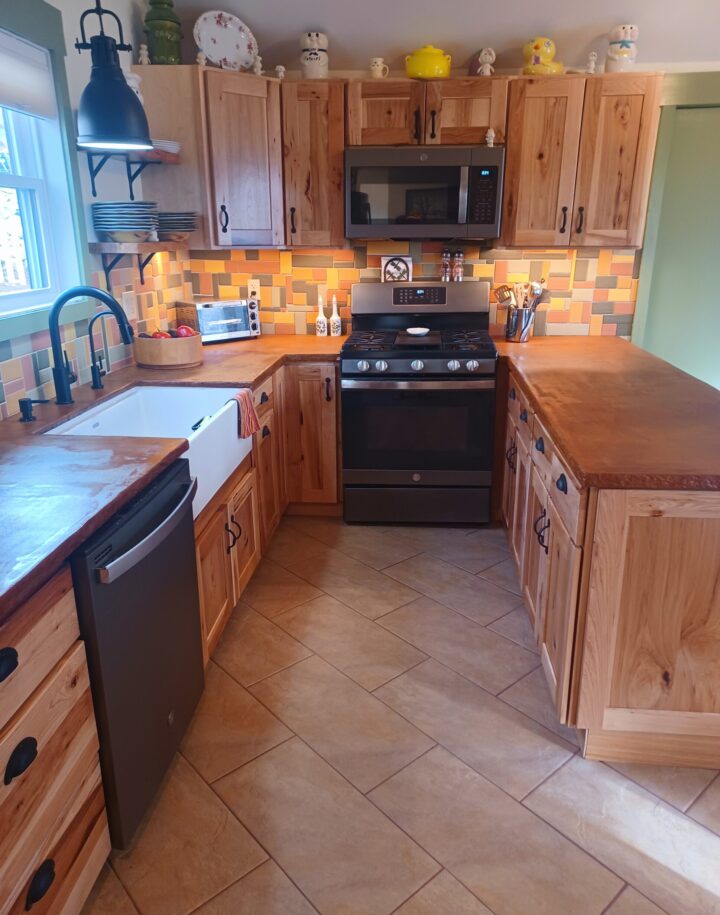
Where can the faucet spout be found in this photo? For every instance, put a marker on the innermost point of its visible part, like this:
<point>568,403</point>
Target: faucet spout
<point>61,374</point>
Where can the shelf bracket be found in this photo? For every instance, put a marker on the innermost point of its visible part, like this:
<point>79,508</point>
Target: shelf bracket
<point>134,173</point>
<point>133,168</point>
<point>95,169</point>
<point>110,262</point>
<point>142,264</point>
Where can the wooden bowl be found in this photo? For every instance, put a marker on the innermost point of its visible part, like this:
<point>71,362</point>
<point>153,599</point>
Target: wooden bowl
<point>168,352</point>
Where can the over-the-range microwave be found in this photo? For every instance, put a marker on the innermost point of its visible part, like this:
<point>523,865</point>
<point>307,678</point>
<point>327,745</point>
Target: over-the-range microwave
<point>423,191</point>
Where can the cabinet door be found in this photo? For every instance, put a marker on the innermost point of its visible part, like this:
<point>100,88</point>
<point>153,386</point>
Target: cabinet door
<point>558,621</point>
<point>508,497</point>
<point>268,467</point>
<point>243,115</point>
<point>459,111</point>
<point>215,576</point>
<point>311,432</point>
<point>313,144</point>
<point>522,484</point>
<point>619,126</point>
<point>385,112</point>
<point>544,118</point>
<point>536,550</point>
<point>245,524</point>
<point>279,410</point>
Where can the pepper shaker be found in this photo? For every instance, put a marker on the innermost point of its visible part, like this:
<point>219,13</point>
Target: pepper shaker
<point>458,266</point>
<point>446,273</point>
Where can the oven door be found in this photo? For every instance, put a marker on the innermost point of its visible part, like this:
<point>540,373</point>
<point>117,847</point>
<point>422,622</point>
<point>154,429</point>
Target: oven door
<point>417,432</point>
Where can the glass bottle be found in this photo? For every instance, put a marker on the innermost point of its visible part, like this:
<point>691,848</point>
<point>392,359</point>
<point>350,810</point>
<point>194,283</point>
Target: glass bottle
<point>321,324</point>
<point>458,266</point>
<point>446,271</point>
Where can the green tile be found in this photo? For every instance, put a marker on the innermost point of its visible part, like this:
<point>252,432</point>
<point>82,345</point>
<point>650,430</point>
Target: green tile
<point>602,308</point>
<point>312,260</point>
<point>606,282</point>
<point>252,255</point>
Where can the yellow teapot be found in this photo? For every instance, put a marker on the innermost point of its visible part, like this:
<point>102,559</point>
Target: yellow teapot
<point>428,63</point>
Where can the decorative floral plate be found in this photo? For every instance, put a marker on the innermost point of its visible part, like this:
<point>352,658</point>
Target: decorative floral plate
<point>225,40</point>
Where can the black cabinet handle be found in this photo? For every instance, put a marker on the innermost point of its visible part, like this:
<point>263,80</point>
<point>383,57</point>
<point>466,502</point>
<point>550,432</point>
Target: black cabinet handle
<point>233,521</point>
<point>417,124</point>
<point>507,455</point>
<point>293,227</point>
<point>540,445</point>
<point>265,431</point>
<point>538,521</point>
<point>328,392</point>
<point>513,452</point>
<point>561,483</point>
<point>512,395</point>
<point>8,662</point>
<point>523,416</point>
<point>433,114</point>
<point>234,538</point>
<point>581,219</point>
<point>224,218</point>
<point>541,535</point>
<point>264,397</point>
<point>41,882</point>
<point>21,758</point>
<point>563,224</point>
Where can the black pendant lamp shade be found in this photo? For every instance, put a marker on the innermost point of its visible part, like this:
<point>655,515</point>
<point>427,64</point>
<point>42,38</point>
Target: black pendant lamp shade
<point>110,115</point>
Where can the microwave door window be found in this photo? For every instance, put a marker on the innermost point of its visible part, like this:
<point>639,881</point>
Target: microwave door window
<point>405,195</point>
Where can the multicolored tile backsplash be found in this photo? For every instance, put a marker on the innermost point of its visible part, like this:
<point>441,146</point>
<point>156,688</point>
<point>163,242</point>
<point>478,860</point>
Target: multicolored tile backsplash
<point>590,292</point>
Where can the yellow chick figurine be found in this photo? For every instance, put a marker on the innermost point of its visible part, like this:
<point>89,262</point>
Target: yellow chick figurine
<point>539,57</point>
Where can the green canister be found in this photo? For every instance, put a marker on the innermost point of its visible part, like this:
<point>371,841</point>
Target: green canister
<point>164,35</point>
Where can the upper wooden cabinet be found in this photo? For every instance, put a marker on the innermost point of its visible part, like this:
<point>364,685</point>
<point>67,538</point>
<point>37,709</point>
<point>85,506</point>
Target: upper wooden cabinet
<point>579,158</point>
<point>313,143</point>
<point>243,118</point>
<point>405,112</point>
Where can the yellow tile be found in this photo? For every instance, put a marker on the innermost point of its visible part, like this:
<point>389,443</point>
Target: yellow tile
<point>278,279</point>
<point>596,323</point>
<point>11,370</point>
<point>299,298</point>
<point>332,278</point>
<point>286,262</point>
<point>302,273</point>
<point>216,266</point>
<point>517,277</point>
<point>603,262</point>
<point>284,317</point>
<point>388,247</point>
<point>557,304</point>
<point>576,310</point>
<point>486,271</point>
<point>228,292</point>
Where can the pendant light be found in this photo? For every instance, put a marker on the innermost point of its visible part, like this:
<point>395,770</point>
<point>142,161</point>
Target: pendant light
<point>110,115</point>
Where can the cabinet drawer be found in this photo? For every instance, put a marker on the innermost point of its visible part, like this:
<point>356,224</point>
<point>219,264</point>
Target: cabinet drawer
<point>263,396</point>
<point>542,451</point>
<point>33,640</point>
<point>44,752</point>
<point>69,856</point>
<point>568,498</point>
<point>520,411</point>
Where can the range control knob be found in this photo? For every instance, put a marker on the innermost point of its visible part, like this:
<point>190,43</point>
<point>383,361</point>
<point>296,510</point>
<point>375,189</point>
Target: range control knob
<point>381,365</point>
<point>363,366</point>
<point>417,365</point>
<point>453,365</point>
<point>473,365</point>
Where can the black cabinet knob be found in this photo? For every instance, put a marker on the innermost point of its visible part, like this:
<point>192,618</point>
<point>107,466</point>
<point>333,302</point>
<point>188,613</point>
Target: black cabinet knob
<point>523,416</point>
<point>265,431</point>
<point>20,759</point>
<point>264,397</point>
<point>41,882</point>
<point>512,395</point>
<point>540,445</point>
<point>8,662</point>
<point>562,483</point>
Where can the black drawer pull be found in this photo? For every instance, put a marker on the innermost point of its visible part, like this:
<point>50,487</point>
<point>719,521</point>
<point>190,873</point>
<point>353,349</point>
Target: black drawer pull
<point>540,445</point>
<point>41,882</point>
<point>20,759</point>
<point>264,397</point>
<point>512,395</point>
<point>538,521</point>
<point>8,662</point>
<point>523,416</point>
<point>581,218</point>
<point>541,536</point>
<point>234,538</point>
<point>328,394</point>
<point>433,115</point>
<point>564,220</point>
<point>561,483</point>
<point>224,219</point>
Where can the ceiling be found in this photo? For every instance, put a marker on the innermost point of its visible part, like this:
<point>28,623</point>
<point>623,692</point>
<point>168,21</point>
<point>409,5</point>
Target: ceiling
<point>361,29</point>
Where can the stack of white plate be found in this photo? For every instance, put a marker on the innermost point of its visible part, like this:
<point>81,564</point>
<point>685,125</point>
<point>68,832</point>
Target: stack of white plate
<point>171,146</point>
<point>126,222</point>
<point>176,226</point>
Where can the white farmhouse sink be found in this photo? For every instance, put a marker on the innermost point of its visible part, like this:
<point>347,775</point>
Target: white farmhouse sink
<point>172,412</point>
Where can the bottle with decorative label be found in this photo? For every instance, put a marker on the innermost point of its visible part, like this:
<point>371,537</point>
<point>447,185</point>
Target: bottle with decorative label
<point>446,272</point>
<point>321,324</point>
<point>335,322</point>
<point>458,266</point>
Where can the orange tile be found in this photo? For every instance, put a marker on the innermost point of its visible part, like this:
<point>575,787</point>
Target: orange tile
<point>624,308</point>
<point>501,271</point>
<point>604,262</point>
<point>621,269</point>
<point>601,295</point>
<point>558,282</point>
<point>557,317</point>
<point>609,330</point>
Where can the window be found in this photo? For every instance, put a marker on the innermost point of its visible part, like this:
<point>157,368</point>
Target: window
<point>38,256</point>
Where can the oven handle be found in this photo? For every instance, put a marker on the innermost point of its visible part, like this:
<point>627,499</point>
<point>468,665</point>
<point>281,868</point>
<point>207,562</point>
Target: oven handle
<point>463,195</point>
<point>356,384</point>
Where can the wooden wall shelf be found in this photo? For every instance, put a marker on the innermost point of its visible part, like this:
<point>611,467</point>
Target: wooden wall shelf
<point>112,253</point>
<point>136,161</point>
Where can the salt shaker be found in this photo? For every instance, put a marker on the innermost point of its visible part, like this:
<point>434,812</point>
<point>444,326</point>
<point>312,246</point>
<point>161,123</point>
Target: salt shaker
<point>321,324</point>
<point>458,266</point>
<point>335,322</point>
<point>446,274</point>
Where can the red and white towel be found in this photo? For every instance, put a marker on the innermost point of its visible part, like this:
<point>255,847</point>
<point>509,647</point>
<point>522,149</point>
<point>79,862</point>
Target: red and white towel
<point>248,422</point>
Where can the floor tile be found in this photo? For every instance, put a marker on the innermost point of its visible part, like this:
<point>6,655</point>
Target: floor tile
<point>630,902</point>
<point>677,785</point>
<point>488,659</point>
<point>532,696</point>
<point>348,727</point>
<point>291,544</point>
<point>507,747</point>
<point>190,848</point>
<point>469,550</point>
<point>472,596</point>
<point>338,848</point>
<point>664,854</point>
<point>368,544</point>
<point>516,626</point>
<point>253,647</point>
<point>359,647</point>
<point>491,843</point>
<point>264,891</point>
<point>108,896</point>
<point>504,574</point>
<point>706,809</point>
<point>229,727</point>
<point>444,895</point>
<point>355,584</point>
<point>273,589</point>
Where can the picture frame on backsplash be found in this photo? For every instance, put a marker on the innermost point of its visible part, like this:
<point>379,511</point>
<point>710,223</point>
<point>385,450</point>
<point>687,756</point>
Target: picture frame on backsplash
<point>396,268</point>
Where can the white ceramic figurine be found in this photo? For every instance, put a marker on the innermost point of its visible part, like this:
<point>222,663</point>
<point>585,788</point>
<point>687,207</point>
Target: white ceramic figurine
<point>280,71</point>
<point>486,59</point>
<point>143,55</point>
<point>314,57</point>
<point>623,48</point>
<point>257,66</point>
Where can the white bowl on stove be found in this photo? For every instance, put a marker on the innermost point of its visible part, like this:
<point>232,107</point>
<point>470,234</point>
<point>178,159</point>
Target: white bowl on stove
<point>418,331</point>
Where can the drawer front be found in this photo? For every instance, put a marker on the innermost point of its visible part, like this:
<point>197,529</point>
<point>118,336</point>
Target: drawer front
<point>542,451</point>
<point>44,753</point>
<point>263,396</point>
<point>70,855</point>
<point>521,412</point>
<point>33,640</point>
<point>569,500</point>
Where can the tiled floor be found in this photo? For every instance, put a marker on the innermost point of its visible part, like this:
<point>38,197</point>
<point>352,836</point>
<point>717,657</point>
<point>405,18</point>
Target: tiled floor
<point>376,736</point>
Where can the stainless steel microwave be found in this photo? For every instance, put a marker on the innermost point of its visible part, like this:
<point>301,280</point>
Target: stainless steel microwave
<point>423,191</point>
<point>219,321</point>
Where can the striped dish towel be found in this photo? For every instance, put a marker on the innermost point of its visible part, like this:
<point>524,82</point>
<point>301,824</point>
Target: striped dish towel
<point>248,422</point>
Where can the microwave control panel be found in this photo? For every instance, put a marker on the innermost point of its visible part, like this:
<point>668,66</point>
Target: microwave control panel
<point>483,195</point>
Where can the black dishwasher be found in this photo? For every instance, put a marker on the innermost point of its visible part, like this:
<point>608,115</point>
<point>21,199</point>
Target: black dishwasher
<point>137,598</point>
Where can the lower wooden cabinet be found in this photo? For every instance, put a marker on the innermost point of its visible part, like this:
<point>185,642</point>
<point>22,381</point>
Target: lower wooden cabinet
<point>508,493</point>
<point>535,563</point>
<point>522,482</point>
<point>245,526</point>
<point>268,462</point>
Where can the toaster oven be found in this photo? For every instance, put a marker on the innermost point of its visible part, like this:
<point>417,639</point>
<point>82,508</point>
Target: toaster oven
<point>226,319</point>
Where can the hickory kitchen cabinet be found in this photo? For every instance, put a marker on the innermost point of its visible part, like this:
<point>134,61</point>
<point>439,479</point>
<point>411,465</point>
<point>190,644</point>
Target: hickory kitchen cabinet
<point>405,112</point>
<point>579,159</point>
